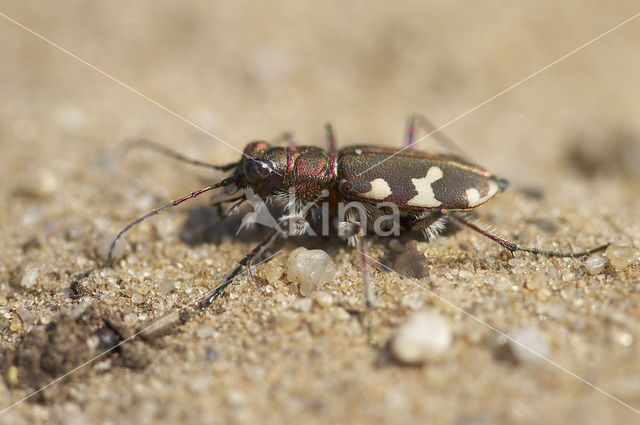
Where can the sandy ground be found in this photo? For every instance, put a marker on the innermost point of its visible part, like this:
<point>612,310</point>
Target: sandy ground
<point>568,140</point>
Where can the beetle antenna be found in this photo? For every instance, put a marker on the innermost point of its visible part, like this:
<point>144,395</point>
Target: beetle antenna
<point>225,182</point>
<point>155,147</point>
<point>513,247</point>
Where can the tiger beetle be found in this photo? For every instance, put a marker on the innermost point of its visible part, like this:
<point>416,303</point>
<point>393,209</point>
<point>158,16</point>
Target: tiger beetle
<point>428,190</point>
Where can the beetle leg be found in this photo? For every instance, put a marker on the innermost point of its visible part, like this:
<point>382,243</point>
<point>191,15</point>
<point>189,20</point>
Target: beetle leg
<point>431,225</point>
<point>366,282</point>
<point>220,213</point>
<point>296,225</point>
<point>411,132</point>
<point>244,263</point>
<point>234,208</point>
<point>354,232</point>
<point>331,139</point>
<point>369,296</point>
<point>153,146</point>
<point>417,120</point>
<point>513,247</point>
<point>288,138</point>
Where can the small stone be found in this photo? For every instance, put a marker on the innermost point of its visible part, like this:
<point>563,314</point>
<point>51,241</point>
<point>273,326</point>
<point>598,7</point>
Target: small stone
<point>536,349</point>
<point>465,274</point>
<point>137,299</point>
<point>514,262</point>
<point>12,375</point>
<point>319,323</point>
<point>311,269</point>
<point>16,323</point>
<point>27,317</point>
<point>544,294</point>
<point>623,338</point>
<point>205,331</point>
<point>103,366</point>
<point>39,184</point>
<point>621,256</point>
<point>536,280</point>
<point>556,311</point>
<point>339,313</point>
<point>166,286</point>
<point>143,289</point>
<point>107,338</point>
<point>595,264</point>
<point>130,319</point>
<point>306,288</point>
<point>272,272</point>
<point>568,277</point>
<point>93,341</point>
<point>396,246</point>
<point>77,312</point>
<point>412,301</point>
<point>288,321</point>
<point>303,305</point>
<point>29,277</point>
<point>323,299</point>
<point>424,336</point>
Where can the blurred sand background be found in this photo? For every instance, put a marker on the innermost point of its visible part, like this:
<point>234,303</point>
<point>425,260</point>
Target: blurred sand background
<point>250,70</point>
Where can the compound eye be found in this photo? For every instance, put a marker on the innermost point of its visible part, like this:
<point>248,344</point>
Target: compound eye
<point>256,171</point>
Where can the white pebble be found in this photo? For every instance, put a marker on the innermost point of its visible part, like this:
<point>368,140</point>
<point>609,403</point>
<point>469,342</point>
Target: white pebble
<point>272,272</point>
<point>306,288</point>
<point>535,345</point>
<point>130,319</point>
<point>466,274</point>
<point>424,336</point>
<point>623,338</point>
<point>205,331</point>
<point>29,277</point>
<point>324,299</point>
<point>303,305</point>
<point>137,299</point>
<point>40,183</point>
<point>621,256</point>
<point>556,311</point>
<point>166,286</point>
<point>310,269</point>
<point>595,264</point>
<point>536,280</point>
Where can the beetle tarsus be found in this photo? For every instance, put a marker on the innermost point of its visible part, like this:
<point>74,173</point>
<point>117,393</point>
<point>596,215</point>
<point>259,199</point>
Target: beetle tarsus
<point>513,247</point>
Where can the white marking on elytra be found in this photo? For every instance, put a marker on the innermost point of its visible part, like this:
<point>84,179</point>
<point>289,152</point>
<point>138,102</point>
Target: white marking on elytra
<point>425,196</point>
<point>473,195</point>
<point>379,190</point>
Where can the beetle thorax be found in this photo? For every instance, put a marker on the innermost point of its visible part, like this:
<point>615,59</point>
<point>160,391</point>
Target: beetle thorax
<point>302,172</point>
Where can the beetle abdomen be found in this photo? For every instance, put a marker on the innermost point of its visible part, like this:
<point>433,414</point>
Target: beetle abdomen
<point>414,180</point>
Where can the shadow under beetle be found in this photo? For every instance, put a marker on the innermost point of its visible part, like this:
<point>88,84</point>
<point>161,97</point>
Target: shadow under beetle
<point>430,190</point>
